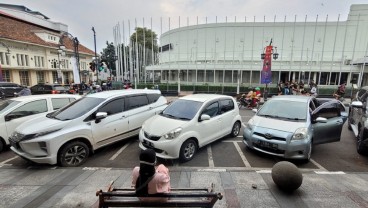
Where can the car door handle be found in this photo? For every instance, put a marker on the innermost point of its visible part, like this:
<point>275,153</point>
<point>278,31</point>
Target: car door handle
<point>123,117</point>
<point>339,122</point>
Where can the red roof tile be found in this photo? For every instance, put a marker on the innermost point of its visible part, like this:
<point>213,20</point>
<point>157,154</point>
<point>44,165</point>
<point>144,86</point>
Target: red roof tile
<point>20,30</point>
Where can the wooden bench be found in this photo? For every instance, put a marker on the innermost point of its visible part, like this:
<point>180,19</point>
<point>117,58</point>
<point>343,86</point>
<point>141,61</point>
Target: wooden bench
<point>185,197</point>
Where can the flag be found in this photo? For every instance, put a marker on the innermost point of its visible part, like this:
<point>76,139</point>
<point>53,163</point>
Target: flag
<point>266,74</point>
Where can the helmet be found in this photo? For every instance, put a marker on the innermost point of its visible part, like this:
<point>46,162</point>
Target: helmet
<point>257,88</point>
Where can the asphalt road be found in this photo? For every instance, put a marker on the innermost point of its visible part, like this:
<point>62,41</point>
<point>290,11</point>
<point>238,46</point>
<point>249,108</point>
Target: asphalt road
<point>227,153</point>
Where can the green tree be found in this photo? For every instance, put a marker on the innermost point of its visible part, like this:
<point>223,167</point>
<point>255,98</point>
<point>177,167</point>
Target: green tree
<point>145,38</point>
<point>108,55</point>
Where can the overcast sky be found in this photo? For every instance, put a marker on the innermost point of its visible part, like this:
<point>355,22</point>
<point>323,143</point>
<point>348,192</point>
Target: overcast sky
<point>104,15</point>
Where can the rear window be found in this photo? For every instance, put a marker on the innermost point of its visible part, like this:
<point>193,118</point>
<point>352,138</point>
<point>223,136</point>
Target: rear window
<point>61,88</point>
<point>153,98</point>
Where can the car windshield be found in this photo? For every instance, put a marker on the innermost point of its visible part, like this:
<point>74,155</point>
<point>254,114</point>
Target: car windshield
<point>279,109</point>
<point>182,109</point>
<point>7,104</point>
<point>77,108</point>
<point>61,88</point>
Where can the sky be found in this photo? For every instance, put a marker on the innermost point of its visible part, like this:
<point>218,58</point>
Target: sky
<point>105,15</point>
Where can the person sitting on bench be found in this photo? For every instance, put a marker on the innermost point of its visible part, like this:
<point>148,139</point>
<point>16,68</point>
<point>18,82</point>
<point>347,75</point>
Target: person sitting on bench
<point>148,179</point>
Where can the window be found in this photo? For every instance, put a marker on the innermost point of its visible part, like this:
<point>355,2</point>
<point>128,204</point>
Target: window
<point>212,109</point>
<point>60,102</point>
<point>39,61</point>
<point>31,108</point>
<point>54,77</point>
<point>66,77</point>
<point>40,76</point>
<point>226,105</point>
<point>153,98</point>
<point>22,60</point>
<point>24,78</point>
<point>137,101</point>
<point>54,64</point>
<point>4,59</point>
<point>6,76</point>
<point>113,107</point>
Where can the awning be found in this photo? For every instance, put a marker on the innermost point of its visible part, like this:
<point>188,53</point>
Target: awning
<point>361,61</point>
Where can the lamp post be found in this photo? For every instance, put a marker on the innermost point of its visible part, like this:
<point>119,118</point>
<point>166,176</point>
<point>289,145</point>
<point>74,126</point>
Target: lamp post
<point>96,59</point>
<point>6,54</point>
<point>266,76</point>
<point>76,56</point>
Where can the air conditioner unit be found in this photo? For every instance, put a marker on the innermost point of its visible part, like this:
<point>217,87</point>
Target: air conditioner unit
<point>347,61</point>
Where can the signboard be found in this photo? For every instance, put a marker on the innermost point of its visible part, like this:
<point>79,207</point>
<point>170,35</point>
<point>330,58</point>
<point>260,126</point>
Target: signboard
<point>75,71</point>
<point>266,74</point>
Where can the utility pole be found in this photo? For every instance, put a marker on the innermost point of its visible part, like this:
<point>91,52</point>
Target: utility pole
<point>96,60</point>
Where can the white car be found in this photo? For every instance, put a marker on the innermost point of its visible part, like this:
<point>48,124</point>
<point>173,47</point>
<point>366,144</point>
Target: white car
<point>68,136</point>
<point>189,123</point>
<point>15,111</point>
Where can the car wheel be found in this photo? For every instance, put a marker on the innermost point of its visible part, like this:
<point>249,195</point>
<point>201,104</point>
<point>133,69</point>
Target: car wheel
<point>236,129</point>
<point>349,124</point>
<point>361,148</point>
<point>188,150</point>
<point>73,154</point>
<point>2,145</point>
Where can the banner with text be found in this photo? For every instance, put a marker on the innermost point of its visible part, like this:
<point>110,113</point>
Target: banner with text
<point>266,74</point>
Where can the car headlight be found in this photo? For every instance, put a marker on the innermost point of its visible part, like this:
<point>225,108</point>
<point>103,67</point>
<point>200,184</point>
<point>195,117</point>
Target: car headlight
<point>173,134</point>
<point>249,125</point>
<point>299,134</point>
<point>32,136</point>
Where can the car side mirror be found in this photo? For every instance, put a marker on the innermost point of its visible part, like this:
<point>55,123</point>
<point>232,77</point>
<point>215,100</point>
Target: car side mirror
<point>205,117</point>
<point>356,104</point>
<point>254,110</point>
<point>321,120</point>
<point>100,116</point>
<point>10,117</point>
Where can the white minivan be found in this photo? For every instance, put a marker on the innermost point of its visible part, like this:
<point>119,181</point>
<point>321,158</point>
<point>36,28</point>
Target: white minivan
<point>15,111</point>
<point>68,136</point>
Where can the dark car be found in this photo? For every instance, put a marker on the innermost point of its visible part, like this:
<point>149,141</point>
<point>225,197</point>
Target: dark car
<point>357,120</point>
<point>50,89</point>
<point>8,89</point>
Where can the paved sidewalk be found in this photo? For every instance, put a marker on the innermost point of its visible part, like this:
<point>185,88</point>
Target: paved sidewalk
<point>76,187</point>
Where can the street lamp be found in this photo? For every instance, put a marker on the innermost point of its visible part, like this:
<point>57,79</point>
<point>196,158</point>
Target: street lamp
<point>76,56</point>
<point>96,59</point>
<point>6,54</point>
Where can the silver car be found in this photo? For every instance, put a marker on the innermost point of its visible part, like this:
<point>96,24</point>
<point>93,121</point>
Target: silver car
<point>288,126</point>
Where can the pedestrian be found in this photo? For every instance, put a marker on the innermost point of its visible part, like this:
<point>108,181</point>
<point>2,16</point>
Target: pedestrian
<point>286,89</point>
<point>313,90</point>
<point>24,92</point>
<point>280,87</point>
<point>340,92</point>
<point>149,179</point>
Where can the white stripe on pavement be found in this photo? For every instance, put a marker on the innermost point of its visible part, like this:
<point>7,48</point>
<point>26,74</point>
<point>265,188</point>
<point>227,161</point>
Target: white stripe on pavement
<point>242,156</point>
<point>317,164</point>
<point>120,151</point>
<point>211,164</point>
<point>8,160</point>
<point>330,173</point>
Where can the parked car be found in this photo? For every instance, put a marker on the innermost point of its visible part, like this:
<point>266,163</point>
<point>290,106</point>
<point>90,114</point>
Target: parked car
<point>69,135</point>
<point>357,120</point>
<point>15,111</point>
<point>189,123</point>
<point>288,126</point>
<point>50,89</point>
<point>8,89</point>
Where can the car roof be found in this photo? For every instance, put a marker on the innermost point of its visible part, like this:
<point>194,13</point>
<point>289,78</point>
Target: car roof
<point>33,97</point>
<point>296,98</point>
<point>204,97</point>
<point>114,93</point>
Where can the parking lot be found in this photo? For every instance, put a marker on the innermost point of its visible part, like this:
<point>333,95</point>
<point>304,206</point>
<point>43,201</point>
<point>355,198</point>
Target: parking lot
<point>226,154</point>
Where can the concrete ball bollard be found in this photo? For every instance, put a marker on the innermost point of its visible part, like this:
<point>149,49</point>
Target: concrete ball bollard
<point>286,176</point>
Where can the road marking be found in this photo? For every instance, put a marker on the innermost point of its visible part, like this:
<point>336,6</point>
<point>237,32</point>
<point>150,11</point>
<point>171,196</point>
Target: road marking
<point>212,170</point>
<point>211,164</point>
<point>330,173</point>
<point>317,164</point>
<point>245,161</point>
<point>8,160</point>
<point>120,151</point>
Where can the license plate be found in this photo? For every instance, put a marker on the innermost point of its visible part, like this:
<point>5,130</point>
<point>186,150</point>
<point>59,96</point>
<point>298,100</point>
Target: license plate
<point>267,144</point>
<point>148,143</point>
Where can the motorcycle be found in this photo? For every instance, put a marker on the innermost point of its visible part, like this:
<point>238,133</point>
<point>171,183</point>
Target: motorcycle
<point>248,103</point>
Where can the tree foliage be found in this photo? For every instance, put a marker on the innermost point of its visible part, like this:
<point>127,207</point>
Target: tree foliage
<point>108,55</point>
<point>145,37</point>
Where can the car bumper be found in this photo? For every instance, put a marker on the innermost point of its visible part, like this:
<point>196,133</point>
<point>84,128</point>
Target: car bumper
<point>166,149</point>
<point>285,148</point>
<point>44,159</point>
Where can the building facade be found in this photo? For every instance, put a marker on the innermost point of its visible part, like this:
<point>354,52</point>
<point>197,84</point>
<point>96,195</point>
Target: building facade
<point>329,52</point>
<point>35,50</point>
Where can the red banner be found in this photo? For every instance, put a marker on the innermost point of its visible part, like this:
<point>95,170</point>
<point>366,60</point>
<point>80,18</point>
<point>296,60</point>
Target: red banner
<point>266,75</point>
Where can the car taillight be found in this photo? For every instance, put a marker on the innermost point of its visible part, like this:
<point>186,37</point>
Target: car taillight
<point>55,92</point>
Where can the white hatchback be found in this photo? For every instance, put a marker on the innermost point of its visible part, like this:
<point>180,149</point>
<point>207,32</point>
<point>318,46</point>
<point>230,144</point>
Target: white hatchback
<point>15,111</point>
<point>68,136</point>
<point>189,123</point>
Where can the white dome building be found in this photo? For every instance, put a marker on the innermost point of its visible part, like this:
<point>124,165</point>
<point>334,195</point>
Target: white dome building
<point>228,54</point>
